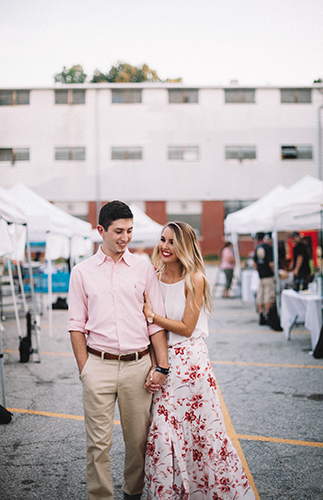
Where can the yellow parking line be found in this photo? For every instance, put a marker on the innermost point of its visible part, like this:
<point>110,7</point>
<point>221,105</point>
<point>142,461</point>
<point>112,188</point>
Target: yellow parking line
<point>245,363</point>
<point>232,330</point>
<point>50,414</point>
<point>313,444</point>
<point>235,441</point>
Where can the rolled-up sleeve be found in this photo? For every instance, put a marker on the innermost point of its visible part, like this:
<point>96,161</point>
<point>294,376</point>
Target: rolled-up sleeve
<point>156,298</point>
<point>77,303</point>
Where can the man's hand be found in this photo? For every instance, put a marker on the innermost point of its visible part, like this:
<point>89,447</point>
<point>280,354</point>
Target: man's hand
<point>154,381</point>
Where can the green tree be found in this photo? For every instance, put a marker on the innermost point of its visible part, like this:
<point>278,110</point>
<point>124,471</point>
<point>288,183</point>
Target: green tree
<point>126,73</point>
<point>319,80</point>
<point>73,75</point>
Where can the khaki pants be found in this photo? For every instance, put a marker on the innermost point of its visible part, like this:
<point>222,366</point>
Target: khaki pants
<point>104,381</point>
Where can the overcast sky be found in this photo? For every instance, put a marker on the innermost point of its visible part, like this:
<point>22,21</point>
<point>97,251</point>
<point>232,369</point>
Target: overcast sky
<point>206,42</point>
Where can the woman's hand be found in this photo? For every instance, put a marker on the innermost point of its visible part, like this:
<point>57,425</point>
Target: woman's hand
<point>148,310</point>
<point>149,385</point>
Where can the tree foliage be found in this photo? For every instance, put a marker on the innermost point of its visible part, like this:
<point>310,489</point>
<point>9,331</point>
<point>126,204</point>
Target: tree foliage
<point>126,73</point>
<point>73,75</point>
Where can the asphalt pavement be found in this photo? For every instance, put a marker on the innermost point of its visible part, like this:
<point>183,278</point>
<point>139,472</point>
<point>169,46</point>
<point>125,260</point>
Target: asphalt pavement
<point>272,399</point>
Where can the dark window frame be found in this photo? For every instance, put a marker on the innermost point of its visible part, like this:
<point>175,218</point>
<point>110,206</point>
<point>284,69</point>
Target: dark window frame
<point>242,153</point>
<point>296,152</point>
<point>16,97</point>
<point>186,96</point>
<point>70,156</point>
<point>15,154</point>
<point>130,153</point>
<point>296,94</point>
<point>241,95</point>
<point>130,96</point>
<point>70,96</point>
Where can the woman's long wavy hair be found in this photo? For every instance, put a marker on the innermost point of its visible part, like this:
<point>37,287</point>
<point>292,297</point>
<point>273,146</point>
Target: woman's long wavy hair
<point>188,252</point>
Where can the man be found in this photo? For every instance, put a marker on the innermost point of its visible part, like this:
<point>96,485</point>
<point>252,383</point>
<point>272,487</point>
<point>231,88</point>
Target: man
<point>300,265</point>
<point>110,340</point>
<point>265,266</point>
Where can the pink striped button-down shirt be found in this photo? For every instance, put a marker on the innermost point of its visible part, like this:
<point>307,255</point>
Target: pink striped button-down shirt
<point>106,300</point>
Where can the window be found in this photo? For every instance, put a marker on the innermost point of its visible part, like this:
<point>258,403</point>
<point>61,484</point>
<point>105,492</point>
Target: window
<point>297,153</point>
<point>182,95</point>
<point>300,96</point>
<point>14,154</point>
<point>240,95</point>
<point>231,206</point>
<point>126,96</point>
<point>126,154</point>
<point>14,97</point>
<point>185,153</point>
<point>240,153</point>
<point>69,154</point>
<point>69,96</point>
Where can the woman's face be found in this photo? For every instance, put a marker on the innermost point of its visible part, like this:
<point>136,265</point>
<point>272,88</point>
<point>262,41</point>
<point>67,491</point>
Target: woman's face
<point>166,247</point>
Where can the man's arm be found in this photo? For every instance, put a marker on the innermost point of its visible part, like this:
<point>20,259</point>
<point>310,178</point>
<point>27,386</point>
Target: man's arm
<point>298,264</point>
<point>78,341</point>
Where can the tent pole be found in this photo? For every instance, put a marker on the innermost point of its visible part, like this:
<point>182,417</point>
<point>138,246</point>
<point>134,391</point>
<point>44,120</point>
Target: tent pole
<point>33,297</point>
<point>50,297</point>
<point>2,369</point>
<point>14,296</point>
<point>276,266</point>
<point>21,287</point>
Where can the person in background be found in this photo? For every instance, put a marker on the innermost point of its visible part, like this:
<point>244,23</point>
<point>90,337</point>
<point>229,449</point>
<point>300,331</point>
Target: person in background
<point>227,265</point>
<point>189,454</point>
<point>110,338</point>
<point>140,252</point>
<point>300,265</point>
<point>264,263</point>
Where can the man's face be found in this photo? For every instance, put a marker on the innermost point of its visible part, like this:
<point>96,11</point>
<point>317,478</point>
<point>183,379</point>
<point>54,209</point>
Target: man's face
<point>295,240</point>
<point>116,238</point>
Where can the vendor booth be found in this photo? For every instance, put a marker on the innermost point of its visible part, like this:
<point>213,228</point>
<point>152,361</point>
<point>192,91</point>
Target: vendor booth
<point>64,236</point>
<point>296,208</point>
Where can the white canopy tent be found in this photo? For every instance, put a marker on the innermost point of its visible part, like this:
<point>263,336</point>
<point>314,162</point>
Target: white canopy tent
<point>65,236</point>
<point>146,232</point>
<point>13,237</point>
<point>282,209</point>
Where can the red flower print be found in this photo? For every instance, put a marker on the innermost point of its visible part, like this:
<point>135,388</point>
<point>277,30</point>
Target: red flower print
<point>151,448</point>
<point>162,411</point>
<point>174,422</point>
<point>197,455</point>
<point>179,350</point>
<point>216,496</point>
<point>189,416</point>
<point>211,381</point>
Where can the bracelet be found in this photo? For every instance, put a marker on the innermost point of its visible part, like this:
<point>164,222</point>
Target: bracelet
<point>164,371</point>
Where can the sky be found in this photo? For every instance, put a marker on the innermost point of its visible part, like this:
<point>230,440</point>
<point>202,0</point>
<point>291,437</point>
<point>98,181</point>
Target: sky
<point>205,42</point>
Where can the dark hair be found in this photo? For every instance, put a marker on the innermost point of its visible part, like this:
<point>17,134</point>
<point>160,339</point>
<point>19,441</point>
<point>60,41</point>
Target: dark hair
<point>112,211</point>
<point>260,236</point>
<point>295,233</point>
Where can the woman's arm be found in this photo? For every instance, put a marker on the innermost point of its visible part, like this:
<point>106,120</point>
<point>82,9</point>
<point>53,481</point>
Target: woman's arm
<point>191,313</point>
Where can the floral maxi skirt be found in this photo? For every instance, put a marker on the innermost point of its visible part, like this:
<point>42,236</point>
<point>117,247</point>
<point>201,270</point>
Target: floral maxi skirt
<point>189,454</point>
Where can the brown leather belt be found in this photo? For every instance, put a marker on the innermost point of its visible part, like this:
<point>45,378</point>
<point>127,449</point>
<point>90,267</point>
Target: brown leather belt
<point>119,357</point>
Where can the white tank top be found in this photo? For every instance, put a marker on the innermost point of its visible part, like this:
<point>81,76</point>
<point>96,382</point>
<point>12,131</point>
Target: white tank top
<point>175,302</point>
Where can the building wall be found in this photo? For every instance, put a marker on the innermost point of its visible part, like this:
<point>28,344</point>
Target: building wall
<point>199,187</point>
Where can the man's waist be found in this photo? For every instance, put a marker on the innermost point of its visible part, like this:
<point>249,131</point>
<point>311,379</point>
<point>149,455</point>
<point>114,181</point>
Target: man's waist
<point>131,356</point>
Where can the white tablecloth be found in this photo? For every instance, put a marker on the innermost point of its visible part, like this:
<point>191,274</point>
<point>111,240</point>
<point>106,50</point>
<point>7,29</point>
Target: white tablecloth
<point>304,308</point>
<point>249,285</point>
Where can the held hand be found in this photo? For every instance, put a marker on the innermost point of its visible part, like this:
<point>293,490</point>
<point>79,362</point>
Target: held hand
<point>149,385</point>
<point>148,310</point>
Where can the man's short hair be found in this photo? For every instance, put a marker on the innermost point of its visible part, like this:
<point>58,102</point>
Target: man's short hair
<point>260,236</point>
<point>112,211</point>
<point>295,234</point>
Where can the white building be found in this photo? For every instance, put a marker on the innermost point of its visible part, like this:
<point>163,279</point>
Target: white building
<point>178,152</point>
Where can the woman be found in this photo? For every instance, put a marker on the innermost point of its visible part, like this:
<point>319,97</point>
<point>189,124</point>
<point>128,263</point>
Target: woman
<point>189,455</point>
<point>227,265</point>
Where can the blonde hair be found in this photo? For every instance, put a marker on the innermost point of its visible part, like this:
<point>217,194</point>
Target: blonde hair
<point>188,252</point>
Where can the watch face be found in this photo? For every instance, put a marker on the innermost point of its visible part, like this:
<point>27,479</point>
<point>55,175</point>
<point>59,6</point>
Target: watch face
<point>150,319</point>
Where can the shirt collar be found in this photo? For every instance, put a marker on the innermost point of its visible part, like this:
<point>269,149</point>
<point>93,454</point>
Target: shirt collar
<point>102,257</point>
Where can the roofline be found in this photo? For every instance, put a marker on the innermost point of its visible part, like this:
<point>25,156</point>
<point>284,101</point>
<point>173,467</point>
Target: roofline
<point>158,85</point>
